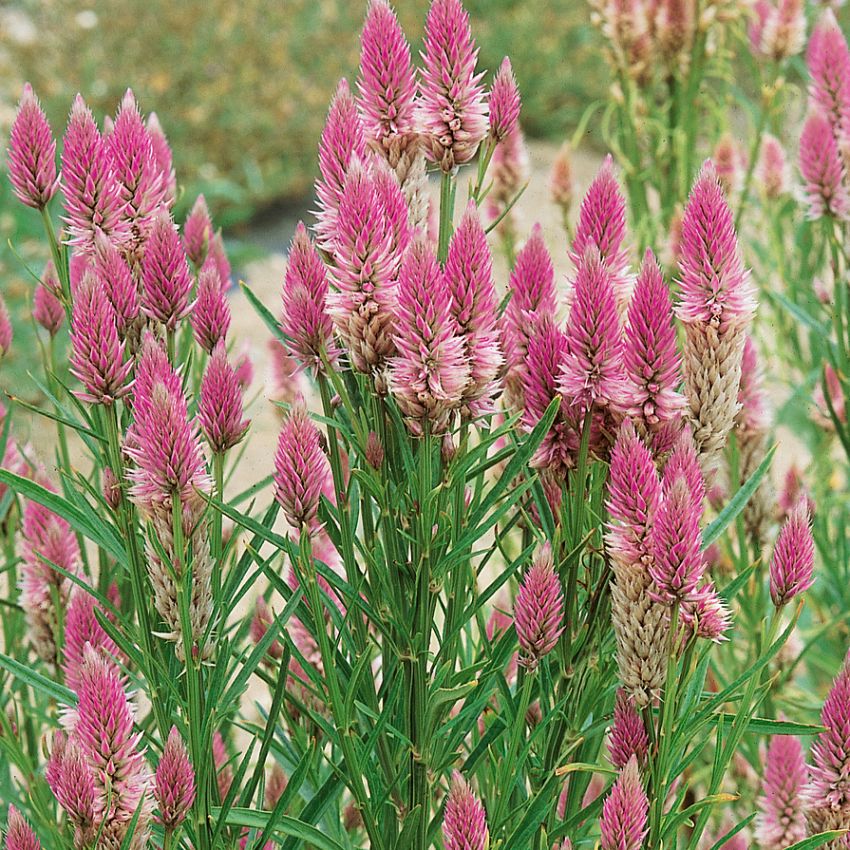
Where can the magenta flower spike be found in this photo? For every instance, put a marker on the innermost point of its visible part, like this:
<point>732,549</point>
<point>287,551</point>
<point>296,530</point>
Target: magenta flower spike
<point>429,374</point>
<point>94,201</point>
<point>475,305</point>
<point>6,331</point>
<point>342,140</point>
<point>650,354</point>
<point>539,609</point>
<point>823,170</point>
<point>593,372</point>
<point>47,309</point>
<point>72,781</point>
<point>792,565</point>
<point>505,102</point>
<point>464,821</point>
<point>828,60</point>
<point>198,232</point>
<point>97,353</point>
<point>211,313</point>
<point>174,787</point>
<point>684,463</point>
<point>19,834</point>
<point>771,173</point>
<point>220,403</point>
<point>624,812</point>
<point>705,613</point>
<point>163,157</point>
<point>627,736</point>
<point>396,210</point>
<point>115,277</point>
<point>31,157</point>
<point>83,629</point>
<point>782,819</point>
<point>166,281</point>
<point>300,468</point>
<point>386,83</point>
<point>452,110</point>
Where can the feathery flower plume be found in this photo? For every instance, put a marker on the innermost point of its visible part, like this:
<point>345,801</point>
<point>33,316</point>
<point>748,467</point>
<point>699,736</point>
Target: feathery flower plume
<point>93,196</point>
<point>706,614</point>
<point>475,305</point>
<point>81,630</point>
<point>772,175</point>
<point>6,331</point>
<point>211,313</point>
<point>464,821</point>
<point>47,309</point>
<point>823,170</point>
<point>828,60</point>
<point>792,565</point>
<point>162,156</point>
<point>782,819</point>
<point>505,103</point>
<point>115,277</point>
<point>174,787</point>
<point>452,110</point>
<point>166,281</point>
<point>539,609</point>
<point>31,157</point>
<point>561,180</point>
<point>627,736</point>
<point>19,834</point>
<point>198,232</point>
<point>220,403</point>
<point>624,812</point>
<point>429,375</point>
<point>71,778</point>
<point>305,318</point>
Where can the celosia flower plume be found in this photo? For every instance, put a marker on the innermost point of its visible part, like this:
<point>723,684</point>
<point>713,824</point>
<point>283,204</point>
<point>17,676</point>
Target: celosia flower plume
<point>19,834</point>
<point>82,630</point>
<point>505,102</point>
<point>539,609</point>
<point>823,170</point>
<point>198,232</point>
<point>166,281</point>
<point>163,157</point>
<point>464,821</point>
<point>211,312</point>
<point>627,736</point>
<point>828,61</point>
<point>772,173</point>
<point>115,277</point>
<point>174,787</point>
<point>624,812</point>
<point>792,565</point>
<point>47,309</point>
<point>220,403</point>
<point>31,157</point>
<point>782,819</point>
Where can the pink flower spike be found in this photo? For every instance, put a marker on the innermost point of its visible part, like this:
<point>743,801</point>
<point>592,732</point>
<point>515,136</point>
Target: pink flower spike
<point>47,309</point>
<point>624,812</point>
<point>301,468</point>
<point>505,103</point>
<point>464,821</point>
<point>166,281</point>
<point>31,157</point>
<point>72,781</point>
<point>627,736</point>
<point>772,175</point>
<point>706,614</point>
<point>539,609</point>
<point>684,463</point>
<point>715,288</point>
<point>211,313</point>
<point>828,60</point>
<point>174,786</point>
<point>220,403</point>
<point>163,157</point>
<point>452,111</point>
<point>115,277</point>
<point>782,819</point>
<point>198,232</point>
<point>19,834</point>
<point>387,82</point>
<point>792,565</point>
<point>81,629</point>
<point>823,170</point>
<point>97,353</point>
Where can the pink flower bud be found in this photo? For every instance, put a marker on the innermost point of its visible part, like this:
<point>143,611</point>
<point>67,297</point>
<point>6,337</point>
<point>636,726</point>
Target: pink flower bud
<point>31,157</point>
<point>792,565</point>
<point>211,313</point>
<point>220,403</point>
<point>624,812</point>
<point>505,102</point>
<point>823,170</point>
<point>47,309</point>
<point>198,232</point>
<point>706,614</point>
<point>163,157</point>
<point>166,281</point>
<point>464,821</point>
<point>539,609</point>
<point>19,834</point>
<point>115,277</point>
<point>782,819</point>
<point>627,736</point>
<point>174,788</point>
<point>82,629</point>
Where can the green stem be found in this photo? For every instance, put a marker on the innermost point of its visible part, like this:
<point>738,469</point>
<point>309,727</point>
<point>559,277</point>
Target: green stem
<point>56,254</point>
<point>447,203</point>
<point>218,478</point>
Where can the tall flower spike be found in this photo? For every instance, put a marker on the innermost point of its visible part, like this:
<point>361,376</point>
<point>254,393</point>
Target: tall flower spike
<point>47,309</point>
<point>539,609</point>
<point>782,820</point>
<point>174,787</point>
<point>198,232</point>
<point>31,157</point>
<point>211,313</point>
<point>627,736</point>
<point>220,403</point>
<point>772,175</point>
<point>452,110</point>
<point>72,781</point>
<point>115,277</point>
<point>93,196</point>
<point>83,629</point>
<point>624,812</point>
<point>305,317</point>
<point>429,374</point>
<point>828,60</point>
<point>301,468</point>
<point>166,281</point>
<point>792,565</point>
<point>475,305</point>
<point>505,103</point>
<point>823,170</point>
<point>19,834</point>
<point>464,821</point>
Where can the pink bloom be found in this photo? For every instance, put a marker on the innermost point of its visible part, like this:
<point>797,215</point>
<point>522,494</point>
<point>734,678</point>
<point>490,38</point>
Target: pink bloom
<point>624,812</point>
<point>729,163</point>
<point>561,179</point>
<point>175,782</point>
<point>828,60</point>
<point>792,565</point>
<point>220,403</point>
<point>539,609</point>
<point>217,256</point>
<point>387,82</point>
<point>683,462</point>
<point>72,780</point>
<point>505,102</point>
<point>6,332</point>
<point>823,170</point>
<point>464,821</point>
<point>19,834</point>
<point>715,288</point>
<point>115,277</point>
<point>198,232</point>
<point>163,157</point>
<point>772,168</point>
<point>779,30</point>
<point>782,820</point>
<point>31,157</point>
<point>396,210</point>
<point>243,366</point>
<point>794,491</point>
<point>429,374</point>
<point>47,309</point>
<point>166,281</point>
<point>706,614</point>
<point>83,629</point>
<point>452,111</point>
<point>627,736</point>
<point>211,313</point>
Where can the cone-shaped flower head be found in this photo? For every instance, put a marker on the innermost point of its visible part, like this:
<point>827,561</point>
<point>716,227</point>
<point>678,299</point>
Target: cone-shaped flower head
<point>779,30</point>
<point>83,629</point>
<point>464,821</point>
<point>166,281</point>
<point>301,467</point>
<point>475,305</point>
<point>220,403</point>
<point>97,353</point>
<point>72,780</point>
<point>429,374</point>
<point>31,157</point>
<point>163,156</point>
<point>211,313</point>
<point>198,232</point>
<point>19,834</point>
<point>650,356</point>
<point>684,463</point>
<point>6,332</point>
<point>539,609</point>
<point>792,565</point>
<point>452,110</point>
<point>828,59</point>
<point>561,179</point>
<point>782,820</point>
<point>115,277</point>
<point>305,317</point>
<point>772,175</point>
<point>174,788</point>
<point>705,613</point>
<point>387,82</point>
<point>47,309</point>
<point>627,736</point>
<point>823,170</point>
<point>624,812</point>
<point>217,256</point>
<point>505,103</point>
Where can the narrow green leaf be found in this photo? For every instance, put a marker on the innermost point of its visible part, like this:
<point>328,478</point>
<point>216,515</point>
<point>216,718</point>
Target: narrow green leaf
<point>34,679</point>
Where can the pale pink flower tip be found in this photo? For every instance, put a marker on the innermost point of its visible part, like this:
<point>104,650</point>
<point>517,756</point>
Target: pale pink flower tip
<point>792,565</point>
<point>715,288</point>
<point>82,629</point>
<point>174,788</point>
<point>31,158</point>
<point>782,819</point>
<point>211,313</point>
<point>163,156</point>
<point>539,609</point>
<point>47,309</point>
<point>823,170</point>
<point>828,60</point>
<point>19,834</point>
<point>301,467</point>
<point>505,102</point>
<point>464,821</point>
<point>624,812</point>
<point>627,736</point>
<point>387,82</point>
<point>166,281</point>
<point>705,613</point>
<point>198,232</point>
<point>772,169</point>
<point>452,110</point>
<point>220,403</point>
